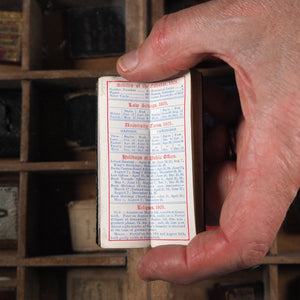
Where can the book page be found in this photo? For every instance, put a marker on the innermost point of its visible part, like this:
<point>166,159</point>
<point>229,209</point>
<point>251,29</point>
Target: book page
<point>172,201</point>
<point>145,164</point>
<point>124,142</point>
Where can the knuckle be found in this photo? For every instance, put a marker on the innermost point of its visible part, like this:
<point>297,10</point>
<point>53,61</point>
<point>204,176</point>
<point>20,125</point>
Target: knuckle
<point>161,36</point>
<point>253,254</point>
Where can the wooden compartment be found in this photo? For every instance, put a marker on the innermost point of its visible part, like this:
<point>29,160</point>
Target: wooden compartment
<point>204,290</point>
<point>8,283</point>
<point>288,243</point>
<point>56,36</point>
<point>65,282</point>
<point>51,45</point>
<point>49,283</point>
<point>54,192</point>
<point>288,282</point>
<point>52,115</point>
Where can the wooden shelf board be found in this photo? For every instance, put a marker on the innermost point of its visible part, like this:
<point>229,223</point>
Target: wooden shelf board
<point>78,79</point>
<point>8,261</point>
<point>281,259</point>
<point>54,74</point>
<point>112,259</point>
<point>9,68</point>
<point>99,259</point>
<point>71,260</point>
<point>16,166</point>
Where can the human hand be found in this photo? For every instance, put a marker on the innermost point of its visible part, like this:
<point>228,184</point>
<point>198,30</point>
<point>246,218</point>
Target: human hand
<point>260,39</point>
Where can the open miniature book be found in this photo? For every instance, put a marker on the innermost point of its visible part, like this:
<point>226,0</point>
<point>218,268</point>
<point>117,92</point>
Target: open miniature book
<point>150,165</point>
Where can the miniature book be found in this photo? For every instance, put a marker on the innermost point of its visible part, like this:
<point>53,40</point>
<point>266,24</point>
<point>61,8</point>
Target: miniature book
<point>150,161</point>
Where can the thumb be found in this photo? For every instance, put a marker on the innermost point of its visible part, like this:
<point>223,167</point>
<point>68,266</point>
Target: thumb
<point>179,41</point>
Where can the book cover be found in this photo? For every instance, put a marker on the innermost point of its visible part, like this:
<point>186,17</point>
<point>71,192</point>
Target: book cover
<point>150,161</point>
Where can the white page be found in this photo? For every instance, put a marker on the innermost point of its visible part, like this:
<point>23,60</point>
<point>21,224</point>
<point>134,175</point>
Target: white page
<point>122,187</point>
<point>138,184</point>
<point>172,200</point>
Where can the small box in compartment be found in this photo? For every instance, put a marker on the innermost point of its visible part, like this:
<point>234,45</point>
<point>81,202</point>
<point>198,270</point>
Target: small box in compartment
<point>9,202</point>
<point>82,215</point>
<point>10,36</point>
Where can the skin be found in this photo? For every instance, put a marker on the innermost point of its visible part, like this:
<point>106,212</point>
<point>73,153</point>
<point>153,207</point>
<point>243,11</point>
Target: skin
<point>260,39</point>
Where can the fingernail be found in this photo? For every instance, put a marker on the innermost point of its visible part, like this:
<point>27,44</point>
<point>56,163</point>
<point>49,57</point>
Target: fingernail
<point>129,61</point>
